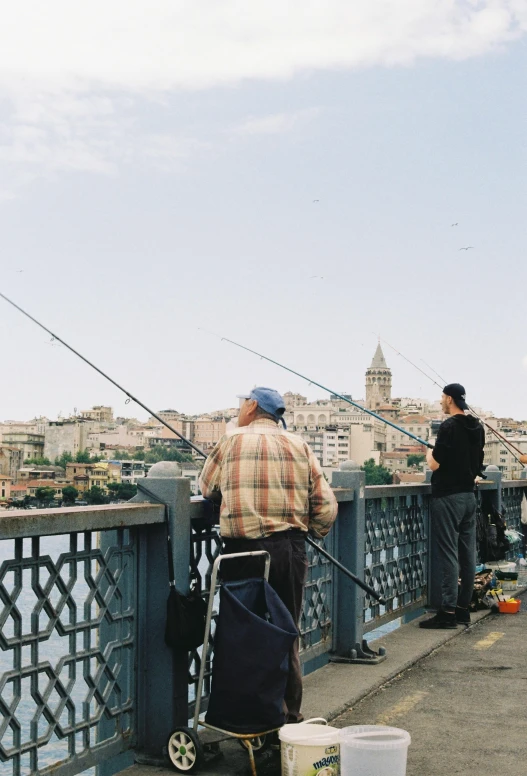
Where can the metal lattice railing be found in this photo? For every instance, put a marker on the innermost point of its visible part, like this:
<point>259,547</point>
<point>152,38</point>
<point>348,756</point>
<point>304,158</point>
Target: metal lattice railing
<point>317,614</point>
<point>395,552</point>
<point>67,640</point>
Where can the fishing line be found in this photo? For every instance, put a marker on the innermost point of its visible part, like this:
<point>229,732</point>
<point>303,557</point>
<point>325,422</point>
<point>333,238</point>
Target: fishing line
<point>506,442</point>
<point>110,379</point>
<point>324,388</point>
<point>309,540</point>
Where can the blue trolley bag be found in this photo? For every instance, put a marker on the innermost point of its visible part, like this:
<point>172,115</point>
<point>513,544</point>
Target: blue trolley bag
<point>254,635</point>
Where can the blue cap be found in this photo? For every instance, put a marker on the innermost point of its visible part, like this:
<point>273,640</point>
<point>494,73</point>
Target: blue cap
<point>269,400</point>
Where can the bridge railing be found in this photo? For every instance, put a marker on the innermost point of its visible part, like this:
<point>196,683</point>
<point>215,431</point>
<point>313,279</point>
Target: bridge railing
<point>85,675</point>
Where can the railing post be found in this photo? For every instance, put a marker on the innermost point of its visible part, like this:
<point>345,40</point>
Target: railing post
<point>162,698</point>
<point>494,496</point>
<point>351,524</point>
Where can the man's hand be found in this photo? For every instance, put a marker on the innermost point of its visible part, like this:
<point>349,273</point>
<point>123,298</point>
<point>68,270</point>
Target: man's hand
<point>431,461</point>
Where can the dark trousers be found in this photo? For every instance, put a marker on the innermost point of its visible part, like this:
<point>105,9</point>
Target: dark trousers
<point>287,575</point>
<point>453,549</point>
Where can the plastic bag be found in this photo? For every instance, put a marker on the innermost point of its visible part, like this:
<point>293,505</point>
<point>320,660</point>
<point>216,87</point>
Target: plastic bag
<point>524,509</point>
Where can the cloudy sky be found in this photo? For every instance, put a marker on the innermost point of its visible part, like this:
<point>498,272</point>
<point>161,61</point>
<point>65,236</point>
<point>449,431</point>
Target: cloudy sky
<point>282,174</point>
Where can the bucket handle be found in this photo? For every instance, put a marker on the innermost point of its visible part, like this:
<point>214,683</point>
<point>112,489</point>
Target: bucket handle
<point>316,719</point>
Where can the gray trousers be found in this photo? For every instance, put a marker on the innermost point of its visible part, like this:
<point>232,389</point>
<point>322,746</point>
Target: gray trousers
<point>453,524</point>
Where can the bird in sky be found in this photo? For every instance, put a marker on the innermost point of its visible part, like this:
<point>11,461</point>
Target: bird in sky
<point>467,248</point>
<point>456,224</point>
<point>320,277</point>
<point>316,200</point>
<point>19,270</point>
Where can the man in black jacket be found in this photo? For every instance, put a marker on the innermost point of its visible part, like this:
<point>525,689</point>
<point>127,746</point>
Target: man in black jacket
<point>456,460</point>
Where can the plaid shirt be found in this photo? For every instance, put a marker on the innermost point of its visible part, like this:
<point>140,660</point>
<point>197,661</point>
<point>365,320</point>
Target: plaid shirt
<point>269,480</point>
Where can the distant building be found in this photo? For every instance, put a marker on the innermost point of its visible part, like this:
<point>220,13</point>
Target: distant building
<point>132,471</point>
<point>31,445</point>
<point>84,476</point>
<point>169,416</point>
<point>5,487</point>
<point>293,400</point>
<point>66,436</point>
<point>99,414</point>
<point>498,454</point>
<point>40,473</point>
<point>208,431</point>
<point>11,459</point>
<point>191,472</point>
<point>378,381</point>
<point>418,425</point>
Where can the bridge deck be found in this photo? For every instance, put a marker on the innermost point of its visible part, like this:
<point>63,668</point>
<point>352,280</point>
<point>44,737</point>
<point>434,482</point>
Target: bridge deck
<point>461,700</point>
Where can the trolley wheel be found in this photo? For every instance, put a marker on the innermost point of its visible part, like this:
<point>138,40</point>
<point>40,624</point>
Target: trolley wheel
<point>259,743</point>
<point>185,750</point>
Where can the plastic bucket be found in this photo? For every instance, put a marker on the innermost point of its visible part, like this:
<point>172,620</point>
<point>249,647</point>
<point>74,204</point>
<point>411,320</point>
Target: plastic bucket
<point>373,750</point>
<point>308,749</point>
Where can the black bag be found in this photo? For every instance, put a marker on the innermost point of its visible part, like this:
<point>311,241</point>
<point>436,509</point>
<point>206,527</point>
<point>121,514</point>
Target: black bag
<point>492,542</point>
<point>186,614</point>
<point>254,635</point>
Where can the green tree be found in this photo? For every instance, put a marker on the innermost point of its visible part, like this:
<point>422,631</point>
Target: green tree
<point>122,490</point>
<point>69,494</point>
<point>414,459</point>
<point>122,455</point>
<point>45,494</point>
<point>376,474</point>
<point>96,495</point>
<point>126,491</point>
<point>162,453</point>
<point>37,462</point>
<point>63,459</point>
<point>27,501</point>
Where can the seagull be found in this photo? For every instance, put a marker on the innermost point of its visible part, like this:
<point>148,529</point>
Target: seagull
<point>456,224</point>
<point>19,270</point>
<point>316,200</point>
<point>317,276</point>
<point>467,248</point>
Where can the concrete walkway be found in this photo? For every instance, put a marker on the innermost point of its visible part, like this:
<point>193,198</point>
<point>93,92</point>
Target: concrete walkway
<point>459,694</point>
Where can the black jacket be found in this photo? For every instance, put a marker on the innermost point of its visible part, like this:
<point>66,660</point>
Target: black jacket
<point>459,452</point>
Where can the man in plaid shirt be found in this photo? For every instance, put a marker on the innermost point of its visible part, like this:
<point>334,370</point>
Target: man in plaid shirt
<point>272,492</point>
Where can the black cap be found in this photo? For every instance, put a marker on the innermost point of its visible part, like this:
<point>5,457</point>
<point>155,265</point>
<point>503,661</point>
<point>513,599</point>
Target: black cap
<point>457,392</point>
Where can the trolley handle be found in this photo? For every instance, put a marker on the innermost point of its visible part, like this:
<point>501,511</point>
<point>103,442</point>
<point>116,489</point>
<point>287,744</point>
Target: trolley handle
<point>228,556</point>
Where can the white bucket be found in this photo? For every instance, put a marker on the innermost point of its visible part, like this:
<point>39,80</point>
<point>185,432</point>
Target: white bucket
<point>309,749</point>
<point>373,750</point>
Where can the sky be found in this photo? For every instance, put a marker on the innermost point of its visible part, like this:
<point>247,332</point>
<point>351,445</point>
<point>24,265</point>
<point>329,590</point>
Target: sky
<point>283,175</point>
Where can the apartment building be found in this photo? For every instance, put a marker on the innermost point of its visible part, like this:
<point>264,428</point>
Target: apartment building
<point>31,445</point>
<point>11,459</point>
<point>99,414</point>
<point>5,487</point>
<point>66,436</point>
<point>419,425</point>
<point>208,431</point>
<point>501,455</point>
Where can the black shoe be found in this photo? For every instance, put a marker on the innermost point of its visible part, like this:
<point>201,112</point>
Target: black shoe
<point>462,616</point>
<point>440,621</point>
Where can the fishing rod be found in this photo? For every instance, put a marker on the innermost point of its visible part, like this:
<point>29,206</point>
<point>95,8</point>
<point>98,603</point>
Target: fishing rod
<point>346,571</point>
<point>506,442</point>
<point>131,397</point>
<point>324,388</point>
<point>111,380</point>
